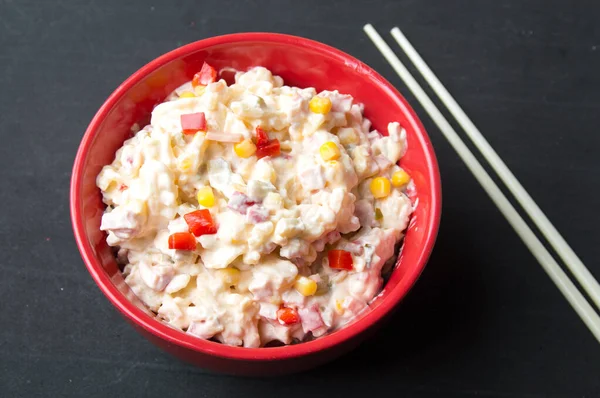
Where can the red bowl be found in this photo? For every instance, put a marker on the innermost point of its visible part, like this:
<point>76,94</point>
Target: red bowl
<point>300,62</point>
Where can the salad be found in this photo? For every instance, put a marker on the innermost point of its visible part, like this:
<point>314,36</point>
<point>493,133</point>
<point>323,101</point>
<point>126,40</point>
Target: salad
<point>256,213</point>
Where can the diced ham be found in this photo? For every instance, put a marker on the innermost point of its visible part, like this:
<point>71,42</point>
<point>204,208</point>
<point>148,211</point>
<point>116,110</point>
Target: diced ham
<point>310,318</point>
<point>383,162</point>
<point>363,209</point>
<point>256,214</point>
<point>240,202</point>
<point>341,103</point>
<point>312,178</point>
<point>156,277</point>
<point>353,305</point>
<point>329,238</point>
<point>191,123</point>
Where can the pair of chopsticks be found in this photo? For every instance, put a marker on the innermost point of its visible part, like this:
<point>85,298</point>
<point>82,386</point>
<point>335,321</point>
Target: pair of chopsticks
<point>587,281</point>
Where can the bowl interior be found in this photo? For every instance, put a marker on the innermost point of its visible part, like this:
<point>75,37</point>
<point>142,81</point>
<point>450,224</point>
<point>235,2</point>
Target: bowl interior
<point>300,63</point>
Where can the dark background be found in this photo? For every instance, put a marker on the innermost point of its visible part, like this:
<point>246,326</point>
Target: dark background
<point>484,319</point>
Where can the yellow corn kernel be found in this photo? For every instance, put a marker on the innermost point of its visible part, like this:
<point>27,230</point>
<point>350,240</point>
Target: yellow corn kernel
<point>199,90</point>
<point>320,105</point>
<point>229,276</point>
<point>380,187</point>
<point>330,151</point>
<point>400,178</point>
<point>187,94</point>
<point>206,197</point>
<point>338,306</point>
<point>305,286</point>
<point>244,149</point>
<point>185,164</point>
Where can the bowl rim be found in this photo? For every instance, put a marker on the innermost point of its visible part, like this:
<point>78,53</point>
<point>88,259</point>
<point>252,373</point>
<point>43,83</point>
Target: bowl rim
<point>178,338</point>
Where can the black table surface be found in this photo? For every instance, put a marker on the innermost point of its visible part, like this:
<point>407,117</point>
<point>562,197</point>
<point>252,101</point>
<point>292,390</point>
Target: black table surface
<point>483,320</point>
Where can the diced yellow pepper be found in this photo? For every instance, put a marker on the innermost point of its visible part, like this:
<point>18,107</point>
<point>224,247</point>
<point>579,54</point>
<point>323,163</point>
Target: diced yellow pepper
<point>206,197</point>
<point>229,276</point>
<point>320,105</point>
<point>305,286</point>
<point>244,149</point>
<point>400,178</point>
<point>380,187</point>
<point>330,151</point>
<point>187,94</point>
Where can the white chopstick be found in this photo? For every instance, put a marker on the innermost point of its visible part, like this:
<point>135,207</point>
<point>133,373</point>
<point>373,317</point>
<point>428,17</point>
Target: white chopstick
<point>562,248</point>
<point>556,274</point>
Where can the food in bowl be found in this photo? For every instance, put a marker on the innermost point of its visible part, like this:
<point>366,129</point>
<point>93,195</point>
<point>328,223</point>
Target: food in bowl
<point>256,212</point>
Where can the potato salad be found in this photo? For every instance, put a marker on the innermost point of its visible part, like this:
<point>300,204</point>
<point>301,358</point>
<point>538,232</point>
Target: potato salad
<point>256,213</point>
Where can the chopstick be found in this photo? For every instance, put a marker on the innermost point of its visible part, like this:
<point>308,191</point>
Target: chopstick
<point>557,275</point>
<point>558,243</point>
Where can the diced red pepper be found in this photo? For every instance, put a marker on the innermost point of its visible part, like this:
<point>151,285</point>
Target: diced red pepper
<point>287,316</point>
<point>182,241</point>
<point>265,146</point>
<point>200,222</point>
<point>207,75</point>
<point>123,187</point>
<point>262,138</point>
<point>191,123</point>
<point>270,149</point>
<point>340,259</point>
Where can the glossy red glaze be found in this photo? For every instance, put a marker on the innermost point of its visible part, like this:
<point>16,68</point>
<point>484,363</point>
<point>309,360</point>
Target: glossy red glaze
<point>300,62</point>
